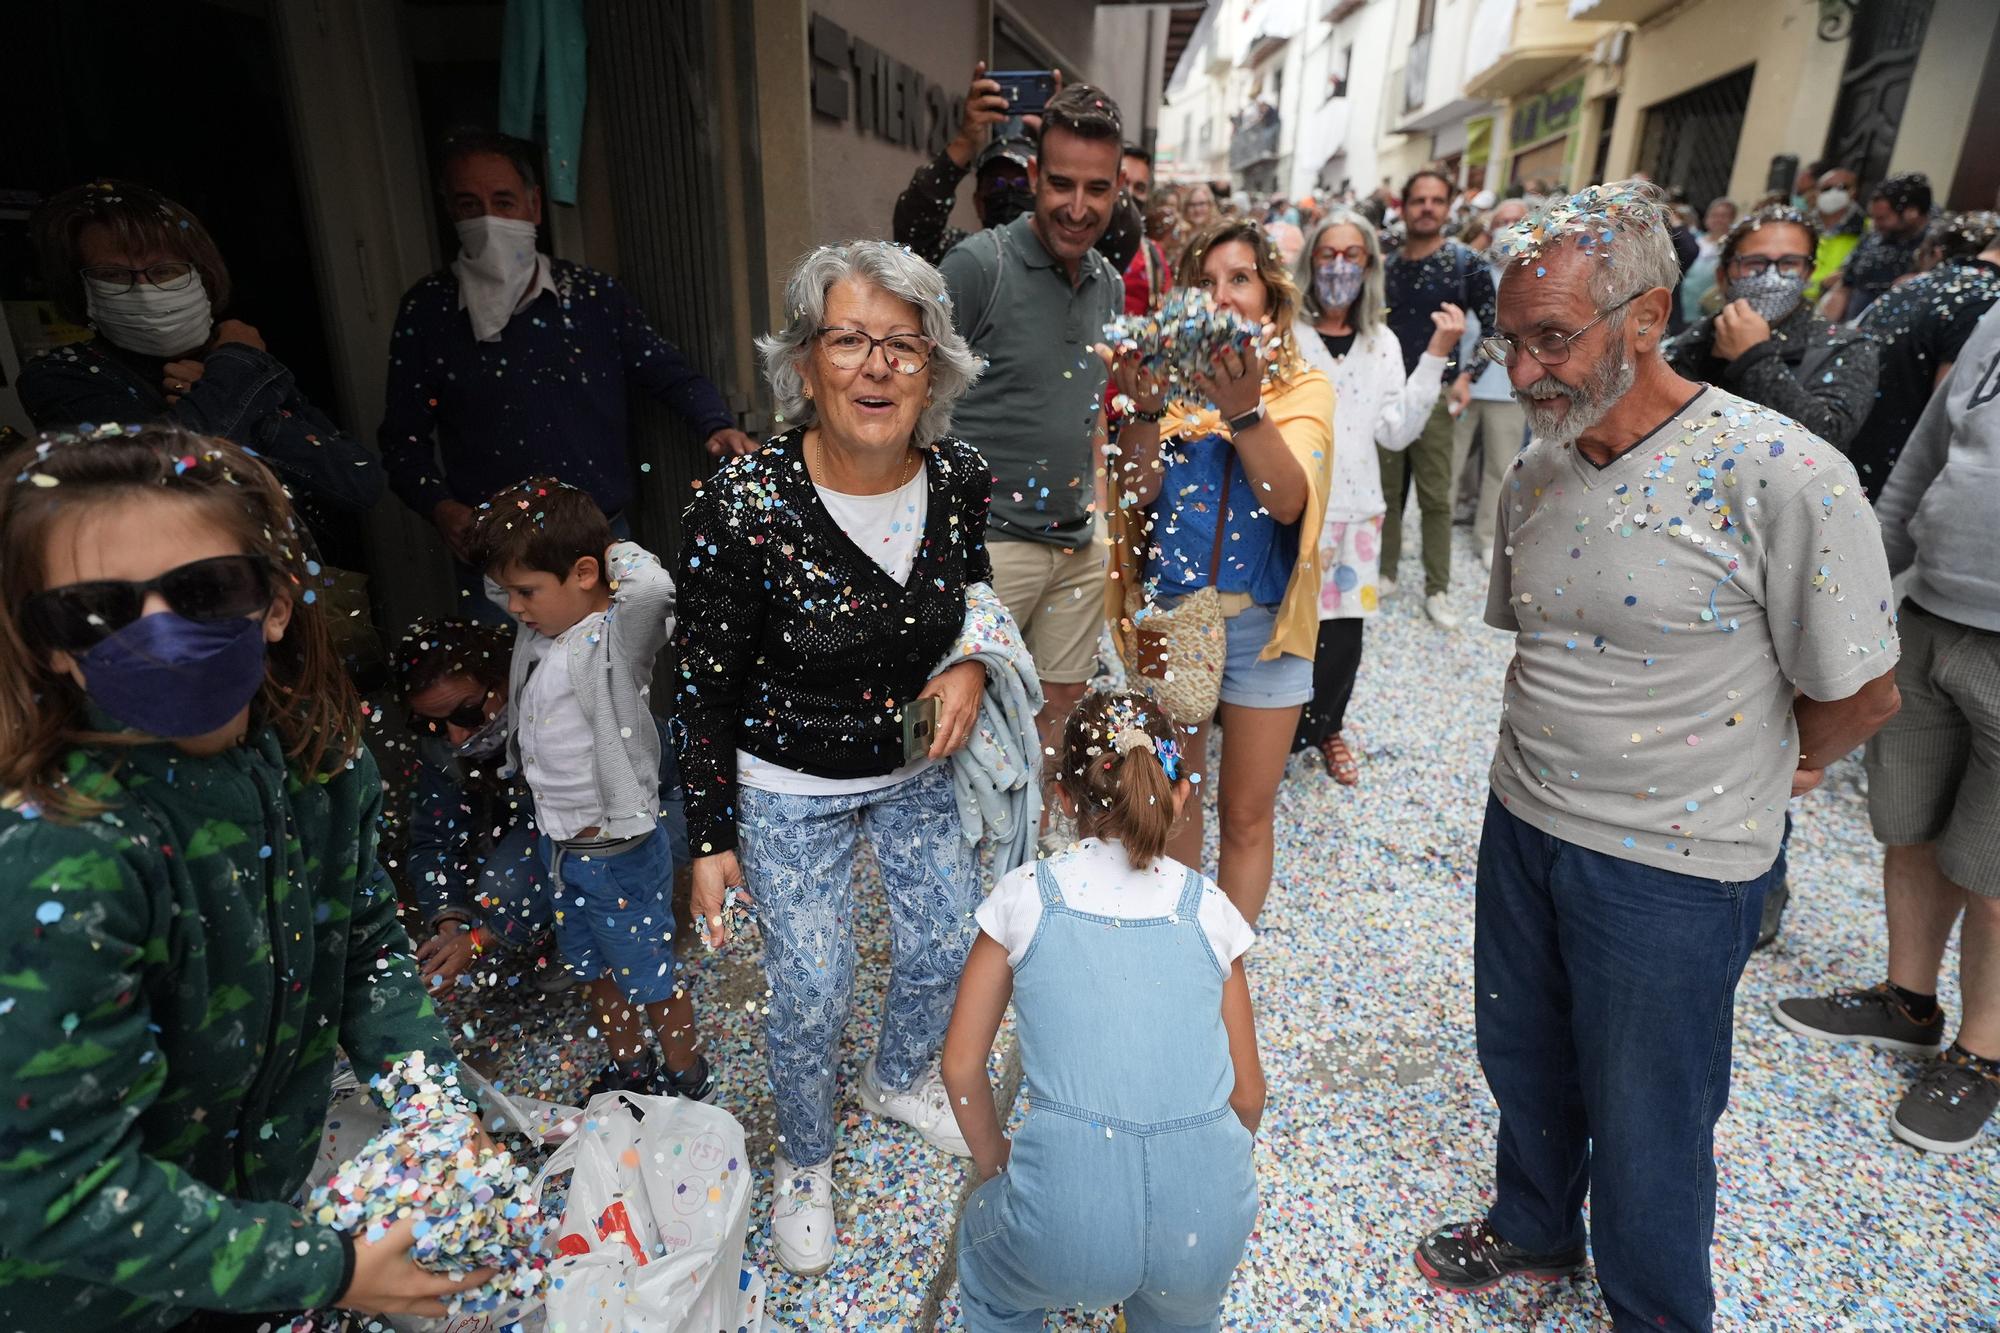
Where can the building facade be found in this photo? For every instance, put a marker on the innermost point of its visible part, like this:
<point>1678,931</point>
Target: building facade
<point>720,141</point>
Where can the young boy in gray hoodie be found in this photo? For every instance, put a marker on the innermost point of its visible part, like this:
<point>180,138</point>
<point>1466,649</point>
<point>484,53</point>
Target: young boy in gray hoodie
<point>1933,780</point>
<point>593,615</point>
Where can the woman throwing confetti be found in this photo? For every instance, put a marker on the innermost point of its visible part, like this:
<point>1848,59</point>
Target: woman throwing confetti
<point>1244,478</point>
<point>826,578</point>
<point>188,842</point>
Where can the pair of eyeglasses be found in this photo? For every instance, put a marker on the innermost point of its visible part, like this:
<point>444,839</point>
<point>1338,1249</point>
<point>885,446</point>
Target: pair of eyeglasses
<point>1756,266</point>
<point>466,717</point>
<point>79,616</point>
<point>1353,254</point>
<point>849,349</point>
<point>173,276</point>
<point>1548,348</point>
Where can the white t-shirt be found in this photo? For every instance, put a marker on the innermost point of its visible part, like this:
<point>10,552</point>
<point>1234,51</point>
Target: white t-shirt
<point>1096,877</point>
<point>889,528</point>
<point>558,751</point>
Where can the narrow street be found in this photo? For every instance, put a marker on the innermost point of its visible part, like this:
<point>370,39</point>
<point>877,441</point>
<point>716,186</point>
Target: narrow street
<point>1380,1125</point>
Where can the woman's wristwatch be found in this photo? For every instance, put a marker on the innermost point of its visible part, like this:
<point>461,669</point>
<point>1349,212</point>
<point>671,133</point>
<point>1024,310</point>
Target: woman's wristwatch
<point>1237,425</point>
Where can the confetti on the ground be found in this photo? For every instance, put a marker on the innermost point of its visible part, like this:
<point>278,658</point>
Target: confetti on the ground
<point>1379,1124</point>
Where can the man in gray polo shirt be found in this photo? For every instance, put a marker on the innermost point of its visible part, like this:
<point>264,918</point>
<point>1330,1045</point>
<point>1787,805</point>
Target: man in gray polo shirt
<point>1031,297</point>
<point>1702,622</point>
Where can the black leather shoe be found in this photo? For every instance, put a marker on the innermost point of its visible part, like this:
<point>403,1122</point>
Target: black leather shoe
<point>1469,1257</point>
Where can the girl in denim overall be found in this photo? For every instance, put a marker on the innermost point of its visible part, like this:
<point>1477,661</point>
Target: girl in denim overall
<point>1131,1179</point>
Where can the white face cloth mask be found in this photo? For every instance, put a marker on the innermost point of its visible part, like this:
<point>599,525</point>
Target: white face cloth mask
<point>496,266</point>
<point>1834,201</point>
<point>148,320</point>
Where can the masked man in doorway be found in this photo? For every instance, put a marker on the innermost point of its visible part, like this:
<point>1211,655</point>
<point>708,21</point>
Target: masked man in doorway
<point>509,363</point>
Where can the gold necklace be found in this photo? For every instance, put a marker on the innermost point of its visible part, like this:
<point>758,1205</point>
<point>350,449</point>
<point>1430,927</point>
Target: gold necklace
<point>916,462</point>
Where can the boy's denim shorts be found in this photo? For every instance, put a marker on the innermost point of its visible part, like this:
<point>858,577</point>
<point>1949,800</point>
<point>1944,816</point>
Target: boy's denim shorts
<point>614,914</point>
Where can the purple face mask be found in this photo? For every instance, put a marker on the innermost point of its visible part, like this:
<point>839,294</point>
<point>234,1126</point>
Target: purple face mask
<point>169,676</point>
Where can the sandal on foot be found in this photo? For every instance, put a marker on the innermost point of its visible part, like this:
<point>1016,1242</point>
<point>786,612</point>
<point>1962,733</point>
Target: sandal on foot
<point>1341,764</point>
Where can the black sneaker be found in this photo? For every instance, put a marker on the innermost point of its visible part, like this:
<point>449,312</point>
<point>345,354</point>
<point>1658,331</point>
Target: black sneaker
<point>1873,1017</point>
<point>1469,1257</point>
<point>1951,1103</point>
<point>641,1076</point>
<point>1774,915</point>
<point>696,1083</point>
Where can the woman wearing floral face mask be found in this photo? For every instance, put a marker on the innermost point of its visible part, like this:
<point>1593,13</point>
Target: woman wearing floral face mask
<point>145,275</point>
<point>1340,331</point>
<point>1767,344</point>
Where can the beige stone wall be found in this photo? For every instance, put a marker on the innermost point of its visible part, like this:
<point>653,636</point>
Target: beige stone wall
<point>1791,96</point>
<point>1957,45</point>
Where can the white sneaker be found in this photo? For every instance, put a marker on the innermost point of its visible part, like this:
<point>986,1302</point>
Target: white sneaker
<point>1438,607</point>
<point>802,1217</point>
<point>1385,589</point>
<point>925,1108</point>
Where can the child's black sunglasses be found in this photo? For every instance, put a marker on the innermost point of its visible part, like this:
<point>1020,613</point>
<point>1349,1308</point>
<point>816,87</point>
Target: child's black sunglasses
<point>79,616</point>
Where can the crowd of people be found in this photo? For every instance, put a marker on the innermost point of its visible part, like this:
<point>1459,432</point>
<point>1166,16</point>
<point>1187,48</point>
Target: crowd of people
<point>1694,451</point>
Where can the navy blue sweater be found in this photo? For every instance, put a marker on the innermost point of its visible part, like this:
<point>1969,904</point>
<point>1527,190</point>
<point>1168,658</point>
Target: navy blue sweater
<point>548,397</point>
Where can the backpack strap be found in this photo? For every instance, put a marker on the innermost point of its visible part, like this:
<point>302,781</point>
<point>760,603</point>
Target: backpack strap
<point>985,322</point>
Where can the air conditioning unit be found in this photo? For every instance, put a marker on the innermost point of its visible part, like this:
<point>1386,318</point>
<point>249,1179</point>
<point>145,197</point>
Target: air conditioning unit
<point>1611,48</point>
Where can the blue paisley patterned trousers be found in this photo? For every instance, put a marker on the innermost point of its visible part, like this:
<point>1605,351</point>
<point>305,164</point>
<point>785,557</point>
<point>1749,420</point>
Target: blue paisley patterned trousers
<point>798,864</point>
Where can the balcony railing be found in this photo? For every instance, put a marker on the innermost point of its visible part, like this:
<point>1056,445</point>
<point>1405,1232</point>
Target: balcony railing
<point>1415,74</point>
<point>1254,143</point>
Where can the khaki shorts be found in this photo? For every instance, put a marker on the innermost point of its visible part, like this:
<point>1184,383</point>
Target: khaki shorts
<point>1056,596</point>
<point>1934,770</point>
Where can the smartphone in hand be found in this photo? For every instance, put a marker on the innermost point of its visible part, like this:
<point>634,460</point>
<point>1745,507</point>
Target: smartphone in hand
<point>1027,90</point>
<point>920,722</point>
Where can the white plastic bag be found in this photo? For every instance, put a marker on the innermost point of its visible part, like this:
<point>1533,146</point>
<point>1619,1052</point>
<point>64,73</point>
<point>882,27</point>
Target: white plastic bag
<point>652,1238</point>
<point>547,1122</point>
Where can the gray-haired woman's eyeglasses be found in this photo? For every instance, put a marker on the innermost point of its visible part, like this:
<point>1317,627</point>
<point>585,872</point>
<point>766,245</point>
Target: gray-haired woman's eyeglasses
<point>849,349</point>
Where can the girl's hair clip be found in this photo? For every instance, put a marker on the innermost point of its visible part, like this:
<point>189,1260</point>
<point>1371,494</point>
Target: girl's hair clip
<point>1170,758</point>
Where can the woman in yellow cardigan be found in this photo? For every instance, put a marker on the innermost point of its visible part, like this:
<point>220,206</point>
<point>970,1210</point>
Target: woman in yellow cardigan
<point>1269,433</point>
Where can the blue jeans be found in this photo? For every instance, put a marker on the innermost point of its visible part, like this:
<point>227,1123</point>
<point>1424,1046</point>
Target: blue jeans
<point>798,865</point>
<point>513,887</point>
<point>1604,993</point>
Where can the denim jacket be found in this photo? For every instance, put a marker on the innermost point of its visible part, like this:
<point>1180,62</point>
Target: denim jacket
<point>244,395</point>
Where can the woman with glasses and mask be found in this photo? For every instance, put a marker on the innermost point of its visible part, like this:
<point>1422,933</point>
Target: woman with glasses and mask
<point>145,276</point>
<point>1340,331</point>
<point>825,581</point>
<point>1767,344</point>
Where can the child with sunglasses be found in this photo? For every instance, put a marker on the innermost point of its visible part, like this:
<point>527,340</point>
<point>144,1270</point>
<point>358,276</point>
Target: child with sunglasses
<point>1131,1179</point>
<point>593,615</point>
<point>188,843</point>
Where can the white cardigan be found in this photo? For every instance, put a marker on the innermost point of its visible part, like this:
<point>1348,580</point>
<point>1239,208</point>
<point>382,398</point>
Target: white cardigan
<point>1374,405</point>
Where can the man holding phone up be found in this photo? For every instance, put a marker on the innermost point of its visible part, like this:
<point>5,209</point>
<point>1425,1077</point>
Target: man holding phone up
<point>1031,298</point>
<point>995,142</point>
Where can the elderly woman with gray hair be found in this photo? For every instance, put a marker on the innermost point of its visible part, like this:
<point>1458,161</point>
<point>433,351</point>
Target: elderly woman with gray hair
<point>1341,331</point>
<point>826,577</point>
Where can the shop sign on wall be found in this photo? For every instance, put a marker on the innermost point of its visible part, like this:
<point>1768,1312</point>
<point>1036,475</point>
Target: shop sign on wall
<point>1553,112</point>
<point>890,99</point>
